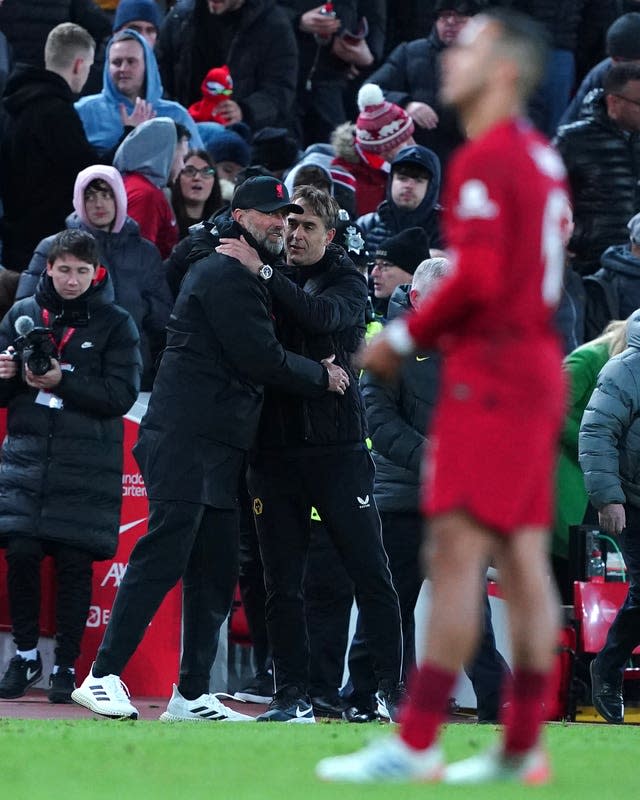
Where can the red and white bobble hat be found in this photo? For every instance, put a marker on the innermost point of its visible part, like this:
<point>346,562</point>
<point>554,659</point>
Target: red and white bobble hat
<point>381,126</point>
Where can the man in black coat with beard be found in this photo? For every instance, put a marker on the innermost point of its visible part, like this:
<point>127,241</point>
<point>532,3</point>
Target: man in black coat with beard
<point>202,418</point>
<point>311,452</point>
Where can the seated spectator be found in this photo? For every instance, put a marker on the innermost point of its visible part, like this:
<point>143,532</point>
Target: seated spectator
<point>613,292</point>
<point>131,79</point>
<point>252,37</point>
<point>151,158</point>
<point>602,155</point>
<point>61,474</point>
<point>315,168</point>
<point>134,264</point>
<point>230,154</point>
<point>275,149</point>
<point>396,260</point>
<point>366,149</point>
<point>142,16</point>
<point>412,199</point>
<point>195,194</point>
<point>623,45</point>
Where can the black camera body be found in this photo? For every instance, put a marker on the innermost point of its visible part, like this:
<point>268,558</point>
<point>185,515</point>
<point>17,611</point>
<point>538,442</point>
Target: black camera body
<point>35,349</point>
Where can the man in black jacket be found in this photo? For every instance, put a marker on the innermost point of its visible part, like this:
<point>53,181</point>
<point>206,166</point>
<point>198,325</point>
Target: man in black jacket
<point>398,416</point>
<point>312,453</point>
<point>601,152</point>
<point>61,468</point>
<point>252,37</point>
<point>202,418</point>
<point>44,145</point>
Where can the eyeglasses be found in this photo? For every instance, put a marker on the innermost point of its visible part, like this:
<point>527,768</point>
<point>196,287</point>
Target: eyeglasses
<point>192,172</point>
<point>383,266</point>
<point>628,99</point>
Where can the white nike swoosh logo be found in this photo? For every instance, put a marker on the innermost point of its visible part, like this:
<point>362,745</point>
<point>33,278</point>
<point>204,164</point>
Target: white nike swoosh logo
<point>129,525</point>
<point>421,358</point>
<point>84,345</point>
<point>31,673</point>
<point>302,713</point>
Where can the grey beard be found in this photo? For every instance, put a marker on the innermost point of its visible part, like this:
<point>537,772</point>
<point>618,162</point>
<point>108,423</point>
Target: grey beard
<point>263,242</point>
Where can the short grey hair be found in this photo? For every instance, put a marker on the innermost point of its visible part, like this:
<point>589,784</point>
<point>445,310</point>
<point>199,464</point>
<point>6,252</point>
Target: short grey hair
<point>429,272</point>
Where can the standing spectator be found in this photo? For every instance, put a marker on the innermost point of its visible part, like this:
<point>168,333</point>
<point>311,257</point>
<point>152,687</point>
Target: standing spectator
<point>202,419</point>
<point>142,16</point>
<point>252,37</point>
<point>61,469</point>
<point>44,146</point>
<point>195,193</point>
<point>312,453</point>
<point>399,419</point>
<point>150,159</point>
<point>28,23</point>
<point>602,154</point>
<point>131,85</point>
<point>411,78</point>
<point>623,45</point>
<point>609,444</point>
<point>333,52</point>
<point>492,318</point>
<point>582,367</point>
<point>134,264</point>
<point>413,189</point>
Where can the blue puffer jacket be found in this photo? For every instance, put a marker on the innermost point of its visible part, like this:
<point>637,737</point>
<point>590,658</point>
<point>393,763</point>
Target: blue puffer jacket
<point>609,440</point>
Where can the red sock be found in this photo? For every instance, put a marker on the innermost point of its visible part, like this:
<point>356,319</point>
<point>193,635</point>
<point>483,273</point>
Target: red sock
<point>525,710</point>
<point>429,691</point>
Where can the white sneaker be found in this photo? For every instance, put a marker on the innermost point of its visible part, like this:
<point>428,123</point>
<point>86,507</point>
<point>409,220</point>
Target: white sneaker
<point>532,768</point>
<point>107,696</point>
<point>206,708</point>
<point>387,760</point>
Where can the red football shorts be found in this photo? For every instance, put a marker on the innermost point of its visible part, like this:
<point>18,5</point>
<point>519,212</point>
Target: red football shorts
<point>494,458</point>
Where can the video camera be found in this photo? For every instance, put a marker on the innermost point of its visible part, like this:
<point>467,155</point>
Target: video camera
<point>33,346</point>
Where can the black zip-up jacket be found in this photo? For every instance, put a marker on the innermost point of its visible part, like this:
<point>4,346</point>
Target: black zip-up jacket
<point>319,311</point>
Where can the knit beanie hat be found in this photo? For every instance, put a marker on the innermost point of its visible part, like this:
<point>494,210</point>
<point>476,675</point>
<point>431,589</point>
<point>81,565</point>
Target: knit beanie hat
<point>406,249</point>
<point>225,145</point>
<point>130,10</point>
<point>623,37</point>
<point>381,126</point>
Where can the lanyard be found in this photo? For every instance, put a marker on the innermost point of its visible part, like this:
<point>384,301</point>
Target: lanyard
<point>67,334</point>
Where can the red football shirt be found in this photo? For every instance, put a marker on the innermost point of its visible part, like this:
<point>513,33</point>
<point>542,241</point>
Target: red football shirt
<point>502,392</point>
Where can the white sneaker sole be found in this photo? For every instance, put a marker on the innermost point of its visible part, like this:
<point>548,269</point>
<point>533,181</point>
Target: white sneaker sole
<point>168,717</point>
<point>88,702</point>
<point>253,698</point>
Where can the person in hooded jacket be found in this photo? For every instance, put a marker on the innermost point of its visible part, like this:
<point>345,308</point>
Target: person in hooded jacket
<point>131,81</point>
<point>61,467</point>
<point>413,188</point>
<point>150,158</point>
<point>134,263</point>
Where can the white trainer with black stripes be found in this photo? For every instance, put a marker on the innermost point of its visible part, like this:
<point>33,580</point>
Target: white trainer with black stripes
<point>206,708</point>
<point>107,696</point>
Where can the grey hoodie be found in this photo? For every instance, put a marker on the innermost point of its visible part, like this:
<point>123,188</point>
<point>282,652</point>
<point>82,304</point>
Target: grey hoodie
<point>149,150</point>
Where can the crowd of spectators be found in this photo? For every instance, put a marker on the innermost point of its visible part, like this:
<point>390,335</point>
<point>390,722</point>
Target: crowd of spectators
<point>136,120</point>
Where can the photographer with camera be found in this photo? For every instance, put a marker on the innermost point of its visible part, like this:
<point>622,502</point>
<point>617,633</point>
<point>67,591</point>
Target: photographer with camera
<point>70,368</point>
